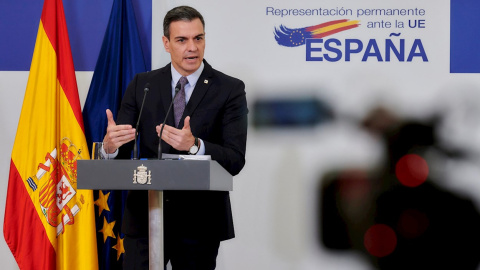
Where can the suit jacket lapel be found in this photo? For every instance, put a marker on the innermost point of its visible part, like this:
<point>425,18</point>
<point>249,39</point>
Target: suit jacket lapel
<point>166,92</point>
<point>203,83</point>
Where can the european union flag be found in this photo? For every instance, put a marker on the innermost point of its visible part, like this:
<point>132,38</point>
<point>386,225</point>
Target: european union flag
<point>291,37</point>
<point>120,58</point>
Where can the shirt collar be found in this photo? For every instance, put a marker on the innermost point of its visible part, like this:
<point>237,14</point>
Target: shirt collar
<point>192,78</point>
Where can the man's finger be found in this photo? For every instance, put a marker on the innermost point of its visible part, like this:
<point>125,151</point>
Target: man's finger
<point>159,128</point>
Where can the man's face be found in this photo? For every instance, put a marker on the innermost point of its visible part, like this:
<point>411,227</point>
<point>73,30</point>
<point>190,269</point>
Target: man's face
<point>186,45</point>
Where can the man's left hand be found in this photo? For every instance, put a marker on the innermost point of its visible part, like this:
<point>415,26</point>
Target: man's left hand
<point>180,139</point>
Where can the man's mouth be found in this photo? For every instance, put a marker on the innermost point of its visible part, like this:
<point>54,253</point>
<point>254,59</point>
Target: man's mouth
<point>191,58</point>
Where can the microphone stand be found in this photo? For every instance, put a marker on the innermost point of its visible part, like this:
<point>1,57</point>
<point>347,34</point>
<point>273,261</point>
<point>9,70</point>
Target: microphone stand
<point>135,147</point>
<point>177,89</point>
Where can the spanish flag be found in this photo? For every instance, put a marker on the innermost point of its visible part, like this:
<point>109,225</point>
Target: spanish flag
<point>49,224</point>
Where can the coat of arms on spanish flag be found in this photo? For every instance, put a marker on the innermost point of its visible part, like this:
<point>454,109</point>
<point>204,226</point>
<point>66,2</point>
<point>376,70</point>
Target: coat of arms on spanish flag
<point>49,223</point>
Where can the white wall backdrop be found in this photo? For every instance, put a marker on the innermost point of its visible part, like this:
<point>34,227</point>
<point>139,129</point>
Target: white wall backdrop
<point>275,197</point>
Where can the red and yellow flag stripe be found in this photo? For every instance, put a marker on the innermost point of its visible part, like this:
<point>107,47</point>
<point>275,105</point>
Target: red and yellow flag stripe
<point>332,27</point>
<point>49,224</point>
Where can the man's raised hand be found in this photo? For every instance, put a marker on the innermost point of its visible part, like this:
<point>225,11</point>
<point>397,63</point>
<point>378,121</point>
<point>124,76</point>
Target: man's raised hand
<point>117,135</point>
<point>180,139</point>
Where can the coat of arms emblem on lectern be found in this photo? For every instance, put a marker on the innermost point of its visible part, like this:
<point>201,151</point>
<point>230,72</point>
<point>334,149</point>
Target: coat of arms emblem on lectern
<point>141,176</point>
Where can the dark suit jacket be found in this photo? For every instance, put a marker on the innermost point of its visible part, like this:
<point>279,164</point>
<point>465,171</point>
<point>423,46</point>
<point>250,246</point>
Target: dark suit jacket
<point>218,115</point>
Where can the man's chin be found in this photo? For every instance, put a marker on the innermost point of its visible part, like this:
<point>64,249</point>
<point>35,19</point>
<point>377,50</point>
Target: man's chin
<point>191,66</point>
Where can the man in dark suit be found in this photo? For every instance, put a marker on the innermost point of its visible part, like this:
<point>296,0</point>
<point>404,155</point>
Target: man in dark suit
<point>214,122</point>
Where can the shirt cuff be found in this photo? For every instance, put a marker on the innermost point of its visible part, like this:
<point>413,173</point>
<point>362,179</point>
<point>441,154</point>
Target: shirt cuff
<point>201,151</point>
<point>108,156</point>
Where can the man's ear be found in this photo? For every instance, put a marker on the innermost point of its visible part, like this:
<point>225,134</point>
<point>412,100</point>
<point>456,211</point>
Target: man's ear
<point>166,43</point>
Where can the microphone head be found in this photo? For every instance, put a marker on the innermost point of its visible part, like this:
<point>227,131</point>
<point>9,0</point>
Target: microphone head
<point>147,87</point>
<point>177,87</point>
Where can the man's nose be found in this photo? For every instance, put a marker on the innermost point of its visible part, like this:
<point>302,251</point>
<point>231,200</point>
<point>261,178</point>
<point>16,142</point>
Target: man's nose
<point>191,45</point>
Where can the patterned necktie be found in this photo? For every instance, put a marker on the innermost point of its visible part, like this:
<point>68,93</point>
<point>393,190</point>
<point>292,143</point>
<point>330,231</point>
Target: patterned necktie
<point>179,102</point>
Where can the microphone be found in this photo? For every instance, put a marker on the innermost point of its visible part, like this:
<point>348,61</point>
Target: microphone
<point>135,147</point>
<point>177,89</point>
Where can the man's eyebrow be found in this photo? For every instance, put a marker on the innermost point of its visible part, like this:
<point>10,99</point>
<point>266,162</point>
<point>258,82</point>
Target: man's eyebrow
<point>179,37</point>
<point>183,37</point>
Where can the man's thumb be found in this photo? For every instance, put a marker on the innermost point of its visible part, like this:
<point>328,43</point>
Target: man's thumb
<point>110,118</point>
<point>186,123</point>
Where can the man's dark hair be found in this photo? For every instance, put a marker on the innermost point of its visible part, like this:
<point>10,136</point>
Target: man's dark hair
<point>181,13</point>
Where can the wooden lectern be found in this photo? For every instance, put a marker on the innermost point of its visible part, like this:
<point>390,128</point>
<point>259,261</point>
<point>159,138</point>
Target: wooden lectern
<point>154,176</point>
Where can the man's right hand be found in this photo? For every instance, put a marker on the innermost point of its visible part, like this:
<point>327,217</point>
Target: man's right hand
<point>117,135</point>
